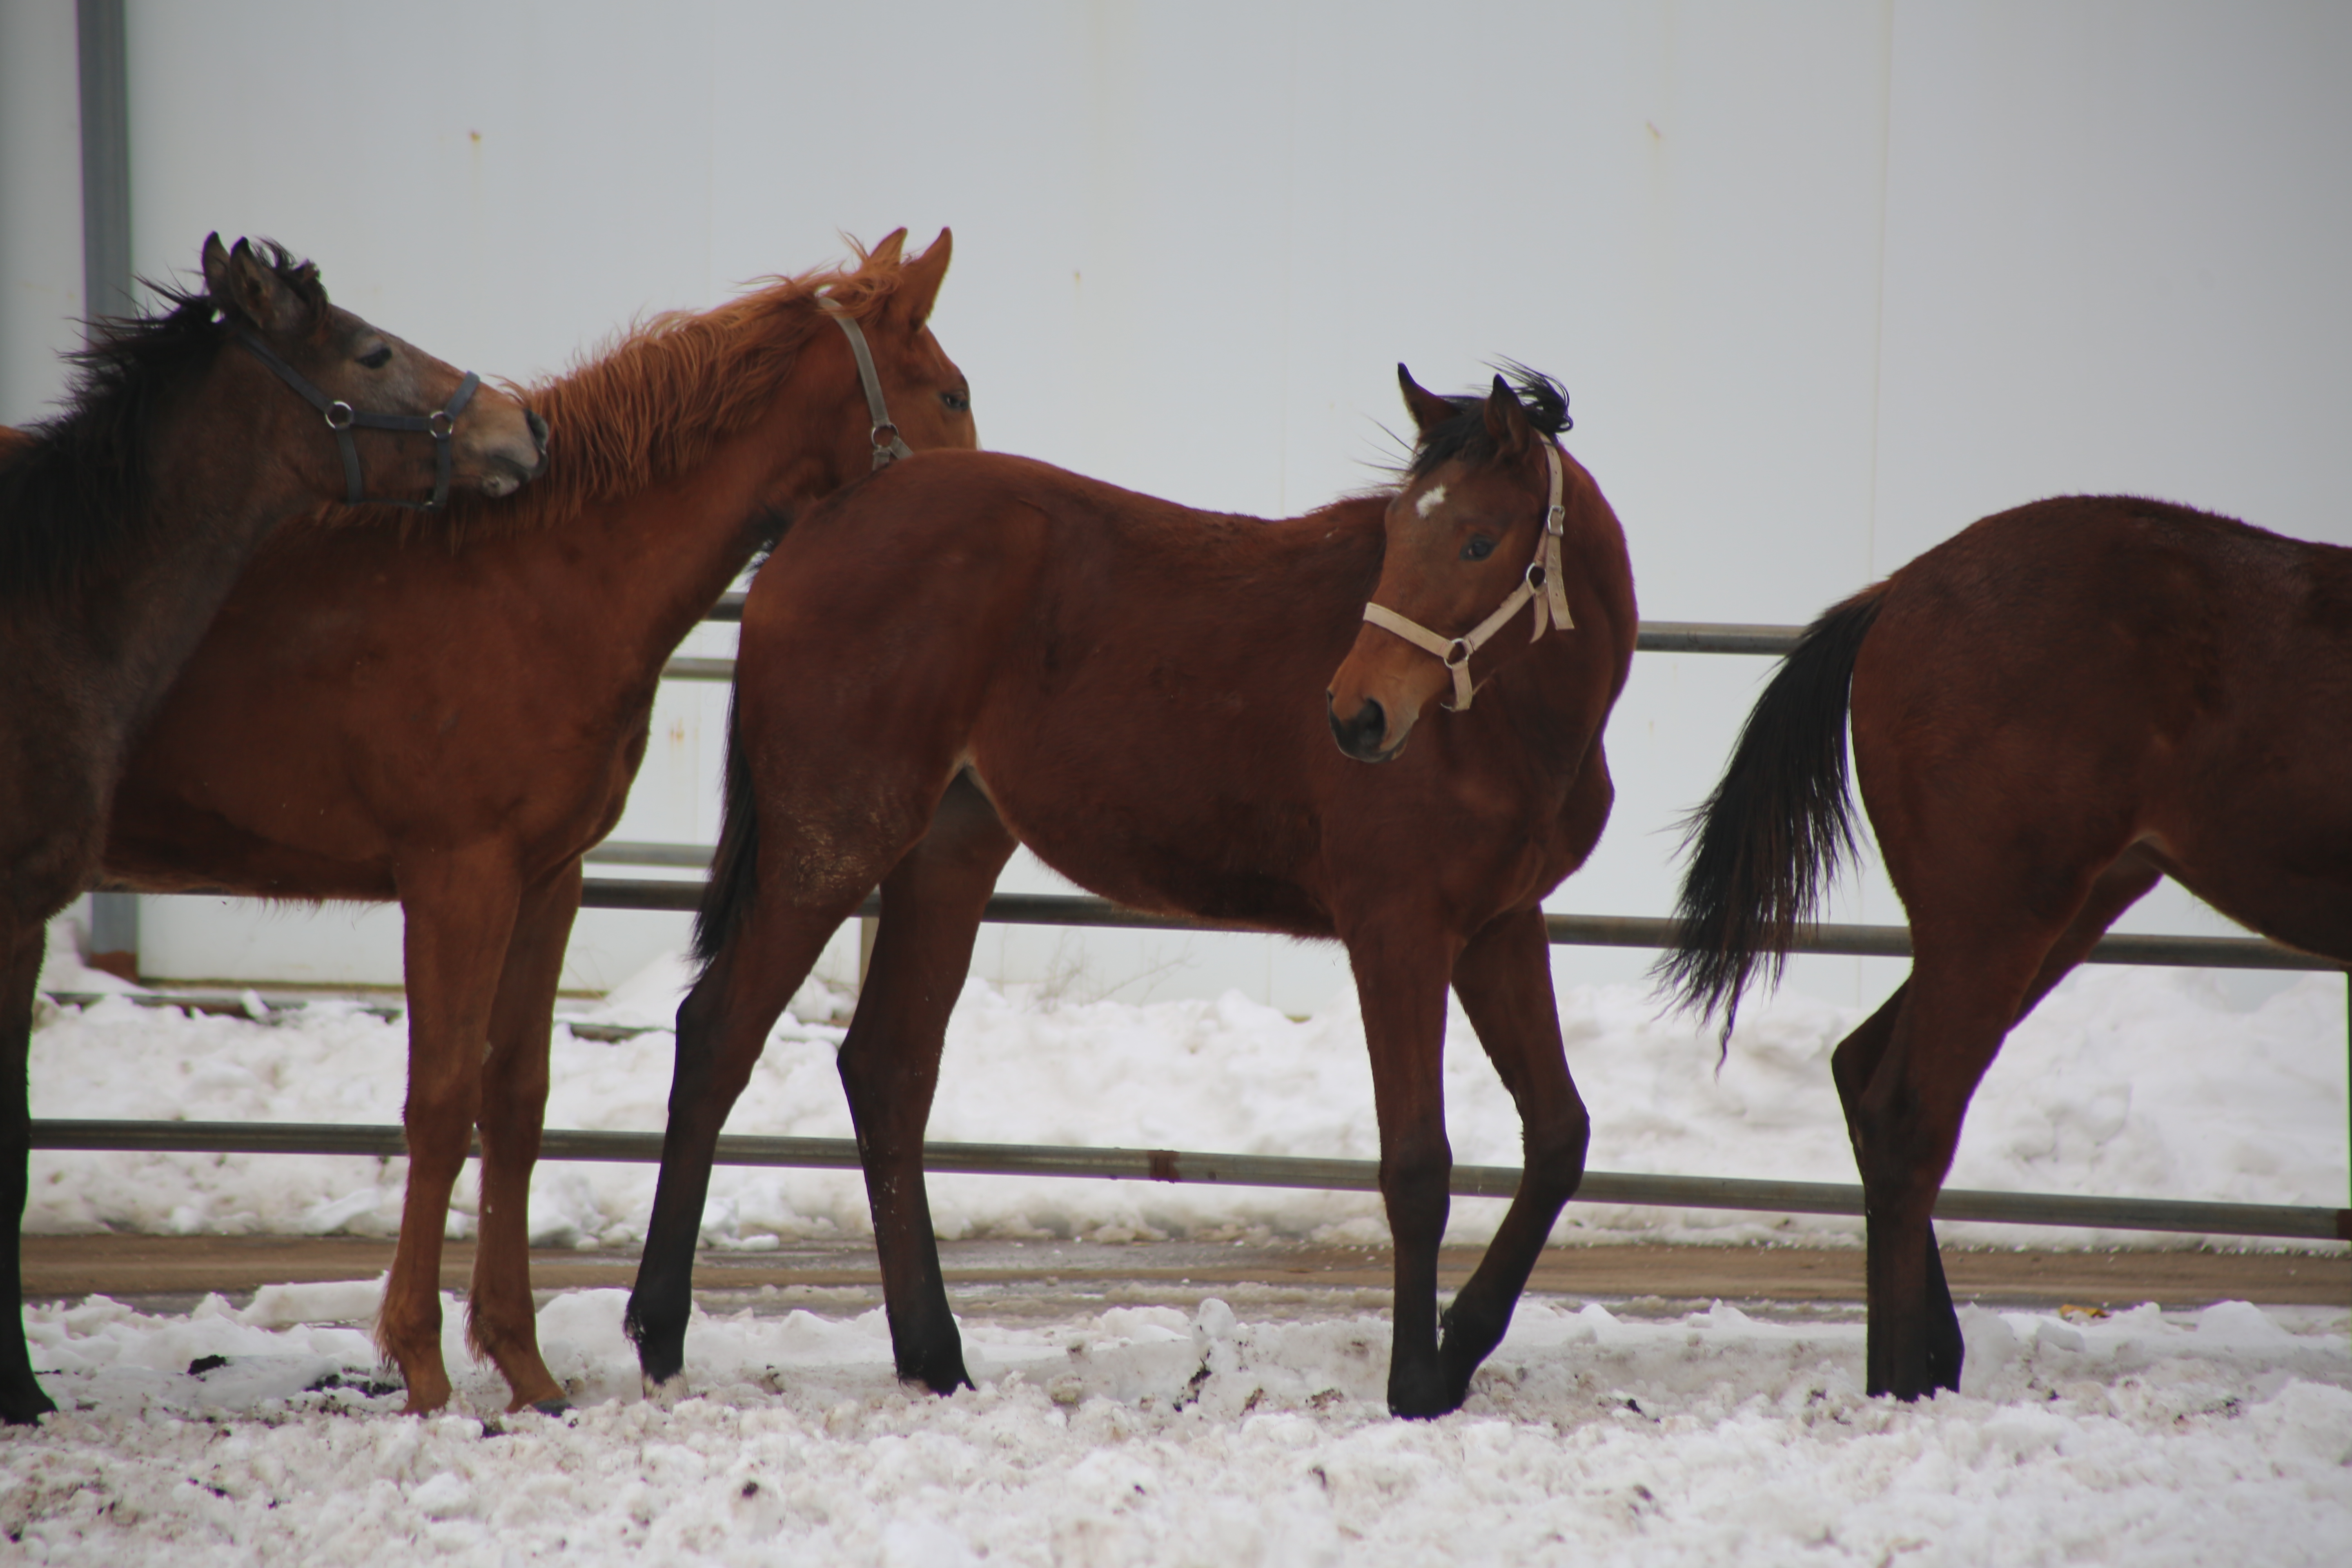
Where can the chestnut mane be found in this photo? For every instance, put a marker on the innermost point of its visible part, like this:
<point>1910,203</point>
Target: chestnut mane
<point>664,394</point>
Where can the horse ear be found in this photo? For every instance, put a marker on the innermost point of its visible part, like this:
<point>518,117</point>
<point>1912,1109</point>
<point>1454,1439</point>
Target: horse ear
<point>887,252</point>
<point>260,296</point>
<point>216,264</point>
<point>1428,409</point>
<point>1506,420</point>
<point>919,284</point>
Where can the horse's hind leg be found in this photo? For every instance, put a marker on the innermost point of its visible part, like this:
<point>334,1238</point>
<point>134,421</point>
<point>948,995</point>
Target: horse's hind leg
<point>21,945</point>
<point>723,1027</point>
<point>460,920</point>
<point>1967,991</point>
<point>1503,978</point>
<point>932,904</point>
<point>1402,967</point>
<point>1855,1061</point>
<point>499,1321</point>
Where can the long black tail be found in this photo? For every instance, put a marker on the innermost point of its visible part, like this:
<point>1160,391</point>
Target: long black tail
<point>734,882</point>
<point>1767,843</point>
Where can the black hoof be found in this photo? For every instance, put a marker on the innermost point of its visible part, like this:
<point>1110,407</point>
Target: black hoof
<point>941,1374</point>
<point>1423,1399</point>
<point>23,1405</point>
<point>558,1406</point>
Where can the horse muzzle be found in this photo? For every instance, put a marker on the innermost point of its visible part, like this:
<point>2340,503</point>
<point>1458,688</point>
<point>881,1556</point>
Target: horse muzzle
<point>1361,737</point>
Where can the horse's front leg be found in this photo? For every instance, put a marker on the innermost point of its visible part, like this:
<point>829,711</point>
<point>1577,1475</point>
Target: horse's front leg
<point>932,904</point>
<point>460,913</point>
<point>1503,978</point>
<point>500,1322</point>
<point>21,945</point>
<point>1402,967</point>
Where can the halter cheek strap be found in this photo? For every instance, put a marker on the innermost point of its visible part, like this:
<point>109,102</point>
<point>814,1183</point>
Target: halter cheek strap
<point>1543,585</point>
<point>343,418</point>
<point>888,447</point>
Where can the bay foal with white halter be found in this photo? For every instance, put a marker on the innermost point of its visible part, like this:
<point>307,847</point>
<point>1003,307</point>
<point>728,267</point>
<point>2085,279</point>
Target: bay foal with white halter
<point>1136,690</point>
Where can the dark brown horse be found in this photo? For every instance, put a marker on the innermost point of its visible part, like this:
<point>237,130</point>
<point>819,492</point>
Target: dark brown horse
<point>122,523</point>
<point>972,651</point>
<point>451,716</point>
<point>2051,710</point>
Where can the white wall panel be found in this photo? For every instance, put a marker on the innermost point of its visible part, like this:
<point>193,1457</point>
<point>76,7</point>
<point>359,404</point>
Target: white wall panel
<point>1825,280</point>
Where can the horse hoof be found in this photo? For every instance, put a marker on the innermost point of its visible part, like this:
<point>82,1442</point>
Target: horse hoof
<point>559,1405</point>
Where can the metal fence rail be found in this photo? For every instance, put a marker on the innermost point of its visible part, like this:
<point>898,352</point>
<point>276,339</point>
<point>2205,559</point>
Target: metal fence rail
<point>1654,637</point>
<point>1237,1171</point>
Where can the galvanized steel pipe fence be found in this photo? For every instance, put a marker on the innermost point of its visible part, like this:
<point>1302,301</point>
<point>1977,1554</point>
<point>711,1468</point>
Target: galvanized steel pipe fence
<point>1270,1171</point>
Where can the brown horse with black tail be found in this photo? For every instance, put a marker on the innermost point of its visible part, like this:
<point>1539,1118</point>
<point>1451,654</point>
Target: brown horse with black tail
<point>450,714</point>
<point>970,651</point>
<point>124,521</point>
<point>2050,712</point>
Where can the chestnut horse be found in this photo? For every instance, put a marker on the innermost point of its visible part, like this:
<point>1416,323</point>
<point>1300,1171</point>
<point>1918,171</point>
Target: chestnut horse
<point>124,521</point>
<point>976,650</point>
<point>452,720</point>
<point>2051,710</point>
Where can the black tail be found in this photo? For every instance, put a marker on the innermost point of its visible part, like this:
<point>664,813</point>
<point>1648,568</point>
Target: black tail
<point>1766,844</point>
<point>734,882</point>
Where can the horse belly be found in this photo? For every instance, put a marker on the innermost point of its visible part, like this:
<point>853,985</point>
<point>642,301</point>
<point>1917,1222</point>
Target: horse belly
<point>1220,858</point>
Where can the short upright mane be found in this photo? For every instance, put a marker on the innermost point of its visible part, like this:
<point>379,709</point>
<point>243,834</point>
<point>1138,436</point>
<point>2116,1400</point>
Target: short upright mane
<point>1542,399</point>
<point>72,487</point>
<point>668,390</point>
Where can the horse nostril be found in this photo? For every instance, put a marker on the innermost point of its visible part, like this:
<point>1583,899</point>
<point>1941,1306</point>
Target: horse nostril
<point>538,429</point>
<point>1361,736</point>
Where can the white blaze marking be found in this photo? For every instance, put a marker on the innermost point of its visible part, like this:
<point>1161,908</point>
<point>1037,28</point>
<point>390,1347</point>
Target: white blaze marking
<point>1431,500</point>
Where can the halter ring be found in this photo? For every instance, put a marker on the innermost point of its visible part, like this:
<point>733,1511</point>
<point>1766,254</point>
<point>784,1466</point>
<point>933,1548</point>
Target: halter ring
<point>339,416</point>
<point>439,424</point>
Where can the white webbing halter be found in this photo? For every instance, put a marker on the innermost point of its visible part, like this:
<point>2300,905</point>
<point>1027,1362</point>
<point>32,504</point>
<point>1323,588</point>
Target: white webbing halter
<point>1542,585</point>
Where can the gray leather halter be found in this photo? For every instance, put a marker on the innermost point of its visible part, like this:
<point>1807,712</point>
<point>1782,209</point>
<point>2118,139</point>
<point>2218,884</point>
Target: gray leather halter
<point>343,418</point>
<point>887,448</point>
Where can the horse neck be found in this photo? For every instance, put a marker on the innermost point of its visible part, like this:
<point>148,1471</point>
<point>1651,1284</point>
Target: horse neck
<point>663,554</point>
<point>214,489</point>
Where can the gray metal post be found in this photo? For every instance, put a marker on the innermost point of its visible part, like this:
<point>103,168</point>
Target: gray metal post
<point>106,291</point>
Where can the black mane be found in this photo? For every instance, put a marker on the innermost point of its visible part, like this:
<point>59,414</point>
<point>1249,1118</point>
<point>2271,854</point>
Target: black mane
<point>1544,400</point>
<point>70,495</point>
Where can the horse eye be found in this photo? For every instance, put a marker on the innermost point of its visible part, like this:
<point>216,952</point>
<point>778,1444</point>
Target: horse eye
<point>377,357</point>
<point>957,402</point>
<point>1480,547</point>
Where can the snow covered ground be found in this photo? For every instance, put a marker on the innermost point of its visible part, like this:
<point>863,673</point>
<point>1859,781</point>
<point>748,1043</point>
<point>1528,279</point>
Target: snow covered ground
<point>1242,1433</point>
<point>1139,1436</point>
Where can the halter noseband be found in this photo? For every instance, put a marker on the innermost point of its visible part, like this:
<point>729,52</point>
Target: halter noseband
<point>1542,583</point>
<point>887,448</point>
<point>343,418</point>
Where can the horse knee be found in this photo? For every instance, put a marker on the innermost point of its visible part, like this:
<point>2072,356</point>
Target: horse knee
<point>1416,1185</point>
<point>440,1122</point>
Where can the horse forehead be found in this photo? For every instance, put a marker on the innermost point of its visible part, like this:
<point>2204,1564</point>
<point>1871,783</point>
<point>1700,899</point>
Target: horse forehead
<point>1431,500</point>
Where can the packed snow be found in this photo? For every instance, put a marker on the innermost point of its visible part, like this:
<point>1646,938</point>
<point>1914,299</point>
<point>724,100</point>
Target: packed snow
<point>1244,1430</point>
<point>1144,1435</point>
